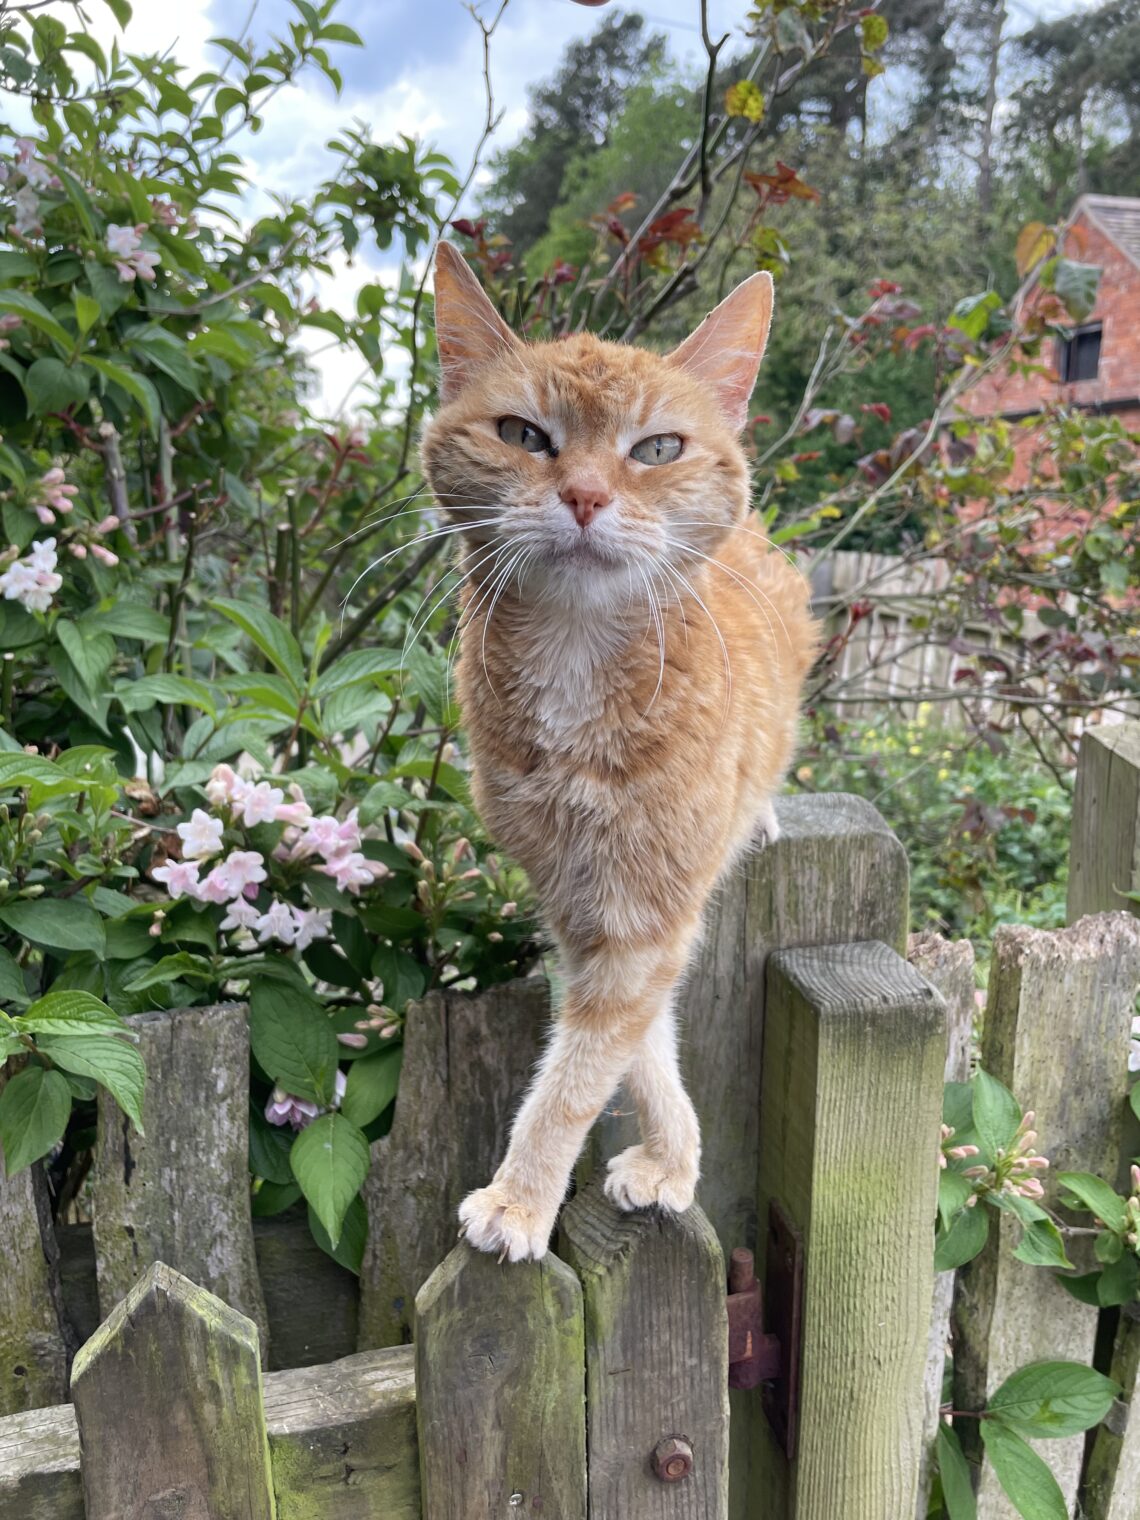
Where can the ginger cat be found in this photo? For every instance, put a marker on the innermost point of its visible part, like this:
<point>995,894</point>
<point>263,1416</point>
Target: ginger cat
<point>631,663</point>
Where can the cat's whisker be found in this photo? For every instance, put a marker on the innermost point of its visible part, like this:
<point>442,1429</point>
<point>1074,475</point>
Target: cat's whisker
<point>503,580</point>
<point>414,543</point>
<point>749,587</point>
<point>414,634</point>
<point>691,589</point>
<point>696,522</point>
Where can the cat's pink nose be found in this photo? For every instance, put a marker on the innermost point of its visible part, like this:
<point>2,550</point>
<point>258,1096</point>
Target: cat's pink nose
<point>585,498</point>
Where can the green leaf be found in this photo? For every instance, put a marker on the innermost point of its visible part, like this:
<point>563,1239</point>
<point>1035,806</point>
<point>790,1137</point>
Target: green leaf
<point>168,354</point>
<point>962,1242</point>
<point>120,9</point>
<point>87,309</point>
<point>972,313</point>
<point>90,653</point>
<point>428,679</point>
<point>349,1251</point>
<point>330,1161</point>
<point>52,386</point>
<point>1042,1246</point>
<point>57,923</point>
<point>273,1198</point>
<point>1134,1099</point>
<point>12,985</point>
<point>336,31</point>
<point>1076,285</point>
<point>953,1190</point>
<point>997,1114</point>
<point>293,1040</point>
<point>68,1012</point>
<point>111,1061</point>
<point>957,1484</point>
<point>1119,1283</point>
<point>269,1147</point>
<point>15,266</point>
<point>180,690</point>
<point>1053,1399</point>
<point>1096,1195</point>
<point>34,1109</point>
<point>171,968</point>
<point>35,314</point>
<point>448,778</point>
<point>137,386</point>
<point>1083,1288</point>
<point>371,1086</point>
<point>18,770</point>
<point>1028,1484</point>
<point>270,635</point>
<point>1108,1248</point>
<point>357,666</point>
<point>379,798</point>
<point>401,973</point>
<point>129,620</point>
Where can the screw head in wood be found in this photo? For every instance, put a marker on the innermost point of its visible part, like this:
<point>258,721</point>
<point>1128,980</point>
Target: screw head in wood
<point>672,1459</point>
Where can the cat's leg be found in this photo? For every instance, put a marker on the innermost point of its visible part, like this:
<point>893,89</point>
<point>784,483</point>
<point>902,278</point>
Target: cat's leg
<point>663,1169</point>
<point>612,997</point>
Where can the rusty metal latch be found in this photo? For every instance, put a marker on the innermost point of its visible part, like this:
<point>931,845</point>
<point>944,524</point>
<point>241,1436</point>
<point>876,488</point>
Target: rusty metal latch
<point>765,1348</point>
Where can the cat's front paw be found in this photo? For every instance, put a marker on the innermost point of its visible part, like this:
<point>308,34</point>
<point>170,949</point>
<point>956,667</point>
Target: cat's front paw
<point>494,1219</point>
<point>637,1180</point>
<point>767,829</point>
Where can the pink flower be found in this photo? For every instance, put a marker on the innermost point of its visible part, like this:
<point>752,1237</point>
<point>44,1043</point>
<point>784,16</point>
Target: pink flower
<point>312,923</point>
<point>78,550</point>
<point>225,785</point>
<point>104,555</point>
<point>126,272</point>
<point>33,581</point>
<point>123,240</point>
<point>202,836</point>
<point>353,1041</point>
<point>297,812</point>
<point>108,525</point>
<point>240,915</point>
<point>284,1108</point>
<point>165,211</point>
<point>27,218</point>
<point>180,877</point>
<point>260,804</point>
<point>215,888</point>
<point>34,170</point>
<point>240,871</point>
<point>131,258</point>
<point>353,871</point>
<point>330,837</point>
<point>277,923</point>
<point>45,515</point>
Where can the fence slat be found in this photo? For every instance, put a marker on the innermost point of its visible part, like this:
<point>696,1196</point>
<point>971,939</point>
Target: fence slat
<point>342,1439</point>
<point>467,1063</point>
<point>181,1195</point>
<point>948,965</point>
<point>1113,1484</point>
<point>656,1357</point>
<point>1104,853</point>
<point>33,1345</point>
<point>499,1396</point>
<point>1056,1032</point>
<point>168,1400</point>
<point>39,1465</point>
<point>853,1062</point>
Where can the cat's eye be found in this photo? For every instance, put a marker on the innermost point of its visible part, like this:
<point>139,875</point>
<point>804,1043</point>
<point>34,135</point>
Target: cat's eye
<point>662,448</point>
<point>524,435</point>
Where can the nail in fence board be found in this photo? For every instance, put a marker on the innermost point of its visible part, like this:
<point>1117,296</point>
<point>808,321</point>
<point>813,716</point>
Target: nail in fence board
<point>1056,1031</point>
<point>656,1356</point>
<point>169,1405</point>
<point>853,1061</point>
<point>499,1389</point>
<point>33,1347</point>
<point>342,1440</point>
<point>467,1063</point>
<point>948,965</point>
<point>181,1194</point>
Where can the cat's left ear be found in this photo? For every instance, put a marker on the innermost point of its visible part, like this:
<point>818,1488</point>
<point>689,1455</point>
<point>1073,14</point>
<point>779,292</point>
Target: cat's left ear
<point>468,329</point>
<point>725,350</point>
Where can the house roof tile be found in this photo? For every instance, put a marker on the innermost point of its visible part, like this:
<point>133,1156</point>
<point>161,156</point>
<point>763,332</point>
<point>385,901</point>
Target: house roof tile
<point>1117,216</point>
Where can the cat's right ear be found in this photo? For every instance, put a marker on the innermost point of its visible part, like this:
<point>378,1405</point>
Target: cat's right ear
<point>468,329</point>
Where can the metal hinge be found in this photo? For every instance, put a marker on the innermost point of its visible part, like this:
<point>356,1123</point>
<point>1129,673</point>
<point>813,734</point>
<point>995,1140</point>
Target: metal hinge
<point>764,1324</point>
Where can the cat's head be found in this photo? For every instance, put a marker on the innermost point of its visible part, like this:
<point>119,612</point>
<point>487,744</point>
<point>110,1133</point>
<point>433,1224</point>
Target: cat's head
<point>599,462</point>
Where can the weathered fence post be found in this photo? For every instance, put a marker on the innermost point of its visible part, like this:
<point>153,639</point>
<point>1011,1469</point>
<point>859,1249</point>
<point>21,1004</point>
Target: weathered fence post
<point>467,1062</point>
<point>656,1360</point>
<point>853,1061</point>
<point>1055,1032</point>
<point>948,965</point>
<point>499,1392</point>
<point>181,1195</point>
<point>1104,850</point>
<point>169,1403</point>
<point>33,1345</point>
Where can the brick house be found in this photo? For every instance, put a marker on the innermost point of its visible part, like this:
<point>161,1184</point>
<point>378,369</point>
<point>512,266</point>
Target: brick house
<point>1097,365</point>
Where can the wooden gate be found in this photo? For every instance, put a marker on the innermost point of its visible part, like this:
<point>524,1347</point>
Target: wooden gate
<point>599,1382</point>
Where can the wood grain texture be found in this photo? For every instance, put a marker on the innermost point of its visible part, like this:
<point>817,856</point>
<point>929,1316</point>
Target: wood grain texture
<point>467,1063</point>
<point>499,1389</point>
<point>853,1060</point>
<point>342,1439</point>
<point>948,965</point>
<point>181,1195</point>
<point>168,1400</point>
<point>656,1356</point>
<point>33,1340</point>
<point>1056,1032</point>
<point>1104,854</point>
<point>1113,1479</point>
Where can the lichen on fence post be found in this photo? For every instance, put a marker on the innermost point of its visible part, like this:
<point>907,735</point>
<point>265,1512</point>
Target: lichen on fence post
<point>181,1194</point>
<point>656,1357</point>
<point>33,1343</point>
<point>168,1397</point>
<point>1058,1015</point>
<point>853,1063</point>
<point>499,1389</point>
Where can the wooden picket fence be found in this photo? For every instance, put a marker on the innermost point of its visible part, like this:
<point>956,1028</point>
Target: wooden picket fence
<point>237,1375</point>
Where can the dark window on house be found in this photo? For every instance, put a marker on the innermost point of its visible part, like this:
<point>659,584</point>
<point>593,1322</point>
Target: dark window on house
<point>1079,357</point>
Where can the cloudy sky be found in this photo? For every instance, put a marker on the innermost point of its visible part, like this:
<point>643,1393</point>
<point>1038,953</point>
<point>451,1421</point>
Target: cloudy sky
<point>420,72</point>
